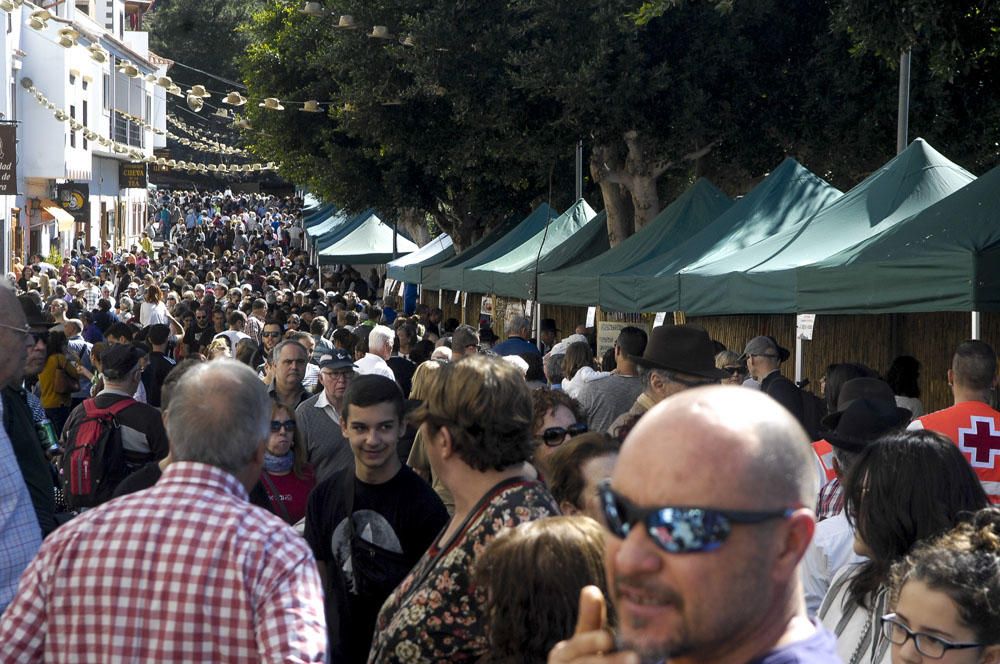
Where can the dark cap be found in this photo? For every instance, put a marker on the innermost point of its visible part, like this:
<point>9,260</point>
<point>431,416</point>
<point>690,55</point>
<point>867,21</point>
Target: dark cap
<point>336,359</point>
<point>119,359</point>
<point>764,346</point>
<point>870,389</point>
<point>548,324</point>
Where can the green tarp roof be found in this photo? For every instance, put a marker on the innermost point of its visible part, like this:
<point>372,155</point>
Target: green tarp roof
<point>327,224</point>
<point>368,243</point>
<point>788,195</point>
<point>341,225</point>
<point>318,215</point>
<point>513,274</point>
<point>408,268</point>
<point>761,278</point>
<point>452,275</point>
<point>944,258</point>
<point>579,284</point>
<point>430,275</point>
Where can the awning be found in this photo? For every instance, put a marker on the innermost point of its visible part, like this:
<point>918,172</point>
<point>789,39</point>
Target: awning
<point>65,219</point>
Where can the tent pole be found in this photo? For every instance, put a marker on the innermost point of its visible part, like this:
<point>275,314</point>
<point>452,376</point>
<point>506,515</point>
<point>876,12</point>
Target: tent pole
<point>537,320</point>
<point>903,115</point>
<point>798,358</point>
<point>975,325</point>
<point>579,170</point>
<point>441,299</point>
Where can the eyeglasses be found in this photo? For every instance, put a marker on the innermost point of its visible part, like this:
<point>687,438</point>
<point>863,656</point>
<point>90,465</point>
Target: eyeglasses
<point>23,331</point>
<point>287,425</point>
<point>338,375</point>
<point>677,529</point>
<point>736,371</point>
<point>554,436</point>
<point>270,334</point>
<point>40,337</point>
<point>927,645</point>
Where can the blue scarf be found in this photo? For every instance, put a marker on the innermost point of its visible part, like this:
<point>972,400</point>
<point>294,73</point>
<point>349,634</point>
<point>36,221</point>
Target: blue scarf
<point>279,464</point>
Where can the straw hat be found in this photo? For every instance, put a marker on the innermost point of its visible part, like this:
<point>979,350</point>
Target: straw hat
<point>129,69</point>
<point>195,103</point>
<point>199,91</point>
<point>408,40</point>
<point>97,53</point>
<point>164,81</point>
<point>221,113</point>
<point>61,115</point>
<point>346,22</point>
<point>272,104</point>
<point>311,106</point>
<point>234,99</point>
<point>68,37</point>
<point>175,90</point>
<point>381,32</point>
<point>313,9</point>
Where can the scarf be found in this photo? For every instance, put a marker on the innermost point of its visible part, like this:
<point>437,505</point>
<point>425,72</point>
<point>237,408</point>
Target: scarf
<point>279,464</point>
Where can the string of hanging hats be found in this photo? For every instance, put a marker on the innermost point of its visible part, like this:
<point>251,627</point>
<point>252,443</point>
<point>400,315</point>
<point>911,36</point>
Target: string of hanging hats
<point>134,154</point>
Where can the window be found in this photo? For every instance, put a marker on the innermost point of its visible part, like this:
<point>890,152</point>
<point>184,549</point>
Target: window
<point>84,121</point>
<point>107,90</point>
<point>72,78</point>
<point>72,132</point>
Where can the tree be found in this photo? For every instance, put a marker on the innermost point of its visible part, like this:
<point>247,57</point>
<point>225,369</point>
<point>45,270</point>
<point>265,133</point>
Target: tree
<point>201,33</point>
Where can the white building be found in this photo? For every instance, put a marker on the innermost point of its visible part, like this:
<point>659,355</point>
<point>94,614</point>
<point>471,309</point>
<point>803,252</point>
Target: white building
<point>82,89</point>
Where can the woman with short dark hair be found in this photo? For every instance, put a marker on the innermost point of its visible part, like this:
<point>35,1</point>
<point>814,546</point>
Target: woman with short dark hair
<point>903,489</point>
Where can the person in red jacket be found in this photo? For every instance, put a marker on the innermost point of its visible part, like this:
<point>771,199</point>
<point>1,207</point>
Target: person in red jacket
<point>972,423</point>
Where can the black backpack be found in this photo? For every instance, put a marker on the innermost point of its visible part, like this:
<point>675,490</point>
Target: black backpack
<point>93,458</point>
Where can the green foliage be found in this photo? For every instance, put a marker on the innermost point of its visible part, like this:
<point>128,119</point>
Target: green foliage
<point>201,33</point>
<point>55,256</point>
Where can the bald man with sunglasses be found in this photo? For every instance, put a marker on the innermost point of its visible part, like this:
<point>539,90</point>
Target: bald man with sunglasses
<point>708,516</point>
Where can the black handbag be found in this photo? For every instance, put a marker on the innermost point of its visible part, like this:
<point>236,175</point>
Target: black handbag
<point>376,571</point>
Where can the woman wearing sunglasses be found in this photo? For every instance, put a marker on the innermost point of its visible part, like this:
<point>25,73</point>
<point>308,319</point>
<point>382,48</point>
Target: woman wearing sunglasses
<point>905,488</point>
<point>944,597</point>
<point>287,477</point>
<point>556,417</point>
<point>729,362</point>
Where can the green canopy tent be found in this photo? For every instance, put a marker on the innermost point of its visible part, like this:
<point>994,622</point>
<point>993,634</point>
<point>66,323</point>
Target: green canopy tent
<point>452,274</point>
<point>318,215</point>
<point>341,227</point>
<point>761,278</point>
<point>370,242</point>
<point>579,284</point>
<point>430,275</point>
<point>408,268</point>
<point>327,224</point>
<point>512,275</point>
<point>944,258</point>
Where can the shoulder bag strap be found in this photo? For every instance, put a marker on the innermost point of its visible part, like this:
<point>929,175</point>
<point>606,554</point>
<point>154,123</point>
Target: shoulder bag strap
<point>275,495</point>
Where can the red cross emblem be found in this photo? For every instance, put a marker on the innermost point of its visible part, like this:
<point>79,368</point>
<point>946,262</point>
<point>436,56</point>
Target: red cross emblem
<point>981,441</point>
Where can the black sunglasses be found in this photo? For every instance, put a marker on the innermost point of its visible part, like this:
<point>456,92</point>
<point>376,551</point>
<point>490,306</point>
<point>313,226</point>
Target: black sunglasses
<point>736,371</point>
<point>277,425</point>
<point>40,337</point>
<point>678,529</point>
<point>554,436</point>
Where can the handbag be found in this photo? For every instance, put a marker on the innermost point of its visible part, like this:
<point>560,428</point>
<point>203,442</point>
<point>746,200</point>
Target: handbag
<point>63,382</point>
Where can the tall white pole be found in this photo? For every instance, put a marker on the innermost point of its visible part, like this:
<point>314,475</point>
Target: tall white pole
<point>976,325</point>
<point>798,357</point>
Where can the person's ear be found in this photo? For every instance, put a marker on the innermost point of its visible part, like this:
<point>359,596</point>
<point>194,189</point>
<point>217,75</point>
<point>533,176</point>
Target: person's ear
<point>990,655</point>
<point>568,508</point>
<point>799,529</point>
<point>447,443</point>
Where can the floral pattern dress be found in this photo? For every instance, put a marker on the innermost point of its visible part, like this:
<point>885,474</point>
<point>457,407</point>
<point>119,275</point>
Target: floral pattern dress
<point>436,614</point>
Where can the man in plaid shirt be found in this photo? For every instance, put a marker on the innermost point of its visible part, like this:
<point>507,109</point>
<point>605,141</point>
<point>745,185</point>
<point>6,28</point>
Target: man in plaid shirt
<point>187,570</point>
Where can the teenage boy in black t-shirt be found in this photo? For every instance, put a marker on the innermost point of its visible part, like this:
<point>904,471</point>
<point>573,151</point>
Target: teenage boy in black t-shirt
<point>395,516</point>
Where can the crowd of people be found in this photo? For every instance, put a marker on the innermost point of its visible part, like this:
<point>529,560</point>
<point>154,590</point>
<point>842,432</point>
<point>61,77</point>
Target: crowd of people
<point>213,451</point>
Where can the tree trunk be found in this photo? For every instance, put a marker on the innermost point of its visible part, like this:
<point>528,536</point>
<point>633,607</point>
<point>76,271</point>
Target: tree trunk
<point>616,199</point>
<point>643,174</point>
<point>414,223</point>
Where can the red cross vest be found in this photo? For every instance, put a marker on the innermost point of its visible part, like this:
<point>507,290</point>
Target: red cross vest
<point>975,428</point>
<point>824,451</point>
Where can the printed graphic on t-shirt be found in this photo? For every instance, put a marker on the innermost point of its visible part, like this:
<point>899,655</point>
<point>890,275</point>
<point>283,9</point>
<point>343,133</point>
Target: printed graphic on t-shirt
<point>371,527</point>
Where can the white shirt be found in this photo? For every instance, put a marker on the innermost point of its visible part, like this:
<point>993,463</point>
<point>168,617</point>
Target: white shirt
<point>832,548</point>
<point>373,364</point>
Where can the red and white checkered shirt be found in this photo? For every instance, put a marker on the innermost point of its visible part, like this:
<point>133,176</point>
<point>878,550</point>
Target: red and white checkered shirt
<point>187,571</point>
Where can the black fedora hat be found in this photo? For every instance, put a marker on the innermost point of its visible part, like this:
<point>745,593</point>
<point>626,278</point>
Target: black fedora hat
<point>864,421</point>
<point>872,389</point>
<point>683,348</point>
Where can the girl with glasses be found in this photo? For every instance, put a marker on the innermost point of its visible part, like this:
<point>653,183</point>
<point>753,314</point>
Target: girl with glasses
<point>905,488</point>
<point>944,597</point>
